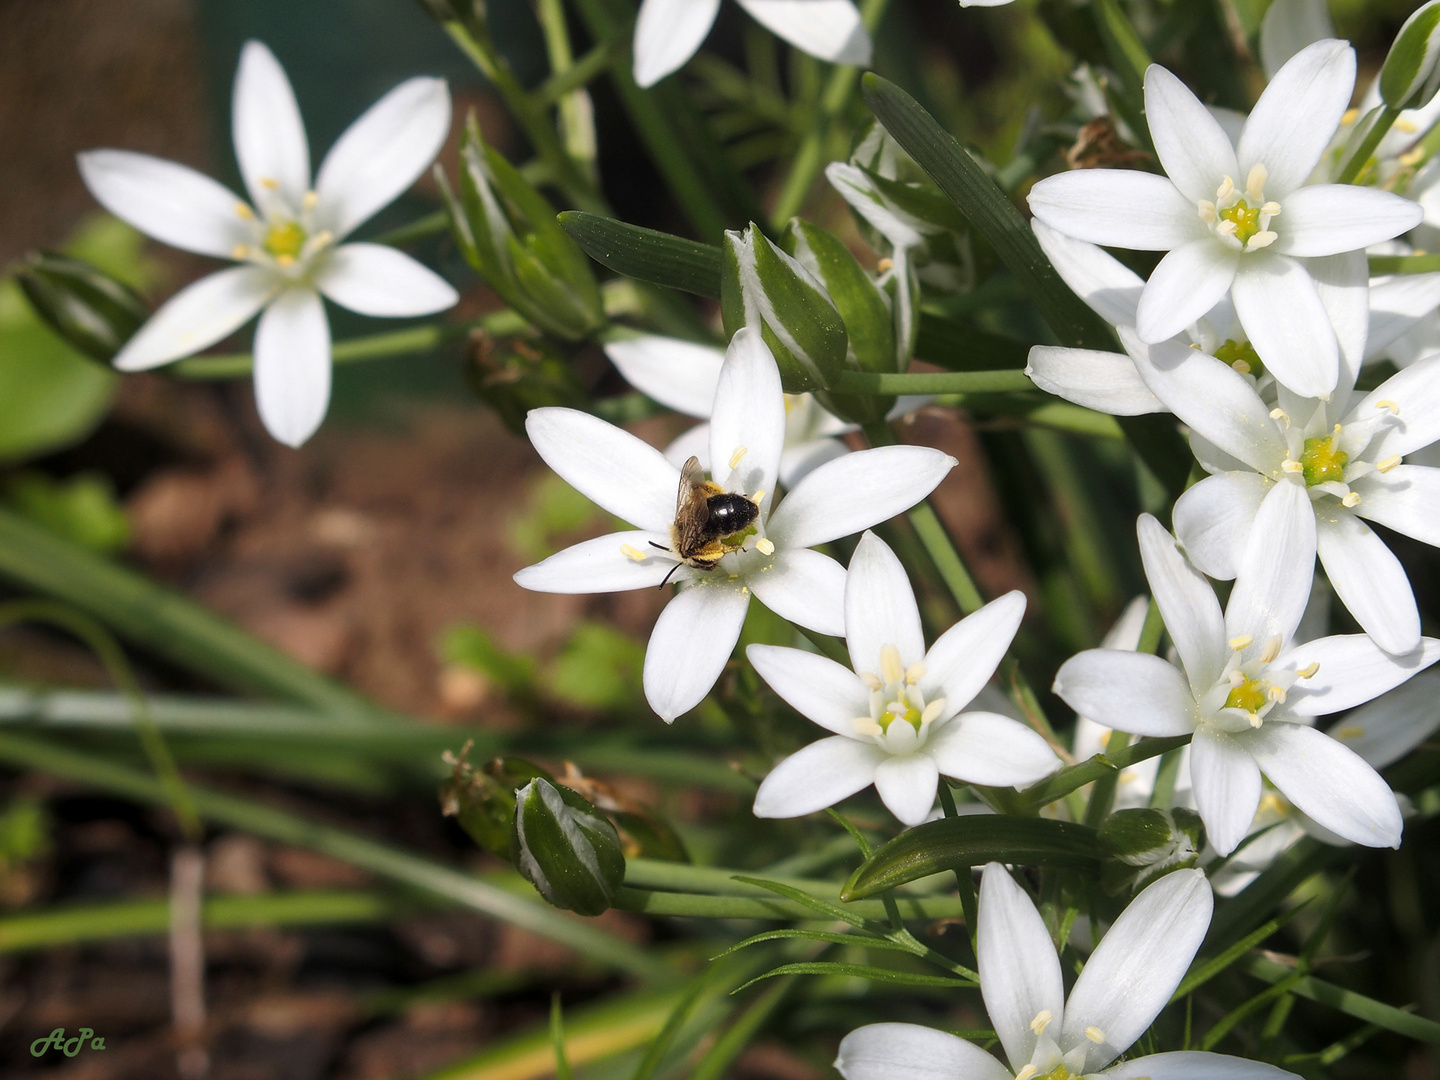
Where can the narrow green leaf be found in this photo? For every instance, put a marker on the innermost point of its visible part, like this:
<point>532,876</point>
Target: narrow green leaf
<point>1129,58</point>
<point>1081,773</point>
<point>1202,972</point>
<point>1408,76</point>
<point>815,904</point>
<point>557,1040</point>
<point>1235,917</point>
<point>830,936</point>
<point>972,840</point>
<point>646,254</point>
<point>1347,1001</point>
<point>863,971</point>
<point>860,302</point>
<point>1403,264</point>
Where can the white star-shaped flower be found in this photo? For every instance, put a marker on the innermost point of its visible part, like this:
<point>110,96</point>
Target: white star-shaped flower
<point>668,32</point>
<point>1125,983</point>
<point>1246,693</point>
<point>697,631</point>
<point>1346,456</point>
<point>286,238</point>
<point>1238,219</point>
<point>897,717</point>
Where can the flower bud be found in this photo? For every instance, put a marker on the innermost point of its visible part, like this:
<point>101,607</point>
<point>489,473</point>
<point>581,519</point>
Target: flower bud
<point>508,233</point>
<point>762,286</point>
<point>1411,73</point>
<point>566,848</point>
<point>483,805</point>
<point>85,306</point>
<point>515,375</point>
<point>1143,845</point>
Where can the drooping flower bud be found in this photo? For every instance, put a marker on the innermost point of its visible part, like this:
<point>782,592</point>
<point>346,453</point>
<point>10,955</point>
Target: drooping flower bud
<point>566,848</point>
<point>1411,73</point>
<point>1143,845</point>
<point>88,308</point>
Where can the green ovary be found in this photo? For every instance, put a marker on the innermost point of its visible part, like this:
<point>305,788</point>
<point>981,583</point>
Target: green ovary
<point>900,710</point>
<point>285,241</point>
<point>1249,696</point>
<point>1060,1072</point>
<point>1241,356</point>
<point>1245,217</point>
<point>1322,462</point>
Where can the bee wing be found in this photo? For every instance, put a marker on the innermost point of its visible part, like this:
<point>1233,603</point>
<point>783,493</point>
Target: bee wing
<point>692,477</point>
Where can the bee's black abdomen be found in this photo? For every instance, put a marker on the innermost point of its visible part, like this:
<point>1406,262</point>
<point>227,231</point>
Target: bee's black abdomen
<point>729,514</point>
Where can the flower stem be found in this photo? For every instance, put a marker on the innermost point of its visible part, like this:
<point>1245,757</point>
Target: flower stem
<point>1078,775</point>
<point>1358,160</point>
<point>934,382</point>
<point>429,225</point>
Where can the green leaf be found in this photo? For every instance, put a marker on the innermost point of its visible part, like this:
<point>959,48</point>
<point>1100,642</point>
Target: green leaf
<point>646,254</point>
<point>1202,971</point>
<point>830,936</point>
<point>972,840</point>
<point>82,508</point>
<point>829,910</point>
<point>860,302</point>
<point>1347,1001</point>
<point>1129,58</point>
<point>1409,76</point>
<point>861,971</point>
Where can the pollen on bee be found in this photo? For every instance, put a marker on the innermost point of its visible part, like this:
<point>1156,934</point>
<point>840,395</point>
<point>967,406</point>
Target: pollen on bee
<point>633,554</point>
<point>1093,1033</point>
<point>738,455</point>
<point>1309,671</point>
<point>1241,642</point>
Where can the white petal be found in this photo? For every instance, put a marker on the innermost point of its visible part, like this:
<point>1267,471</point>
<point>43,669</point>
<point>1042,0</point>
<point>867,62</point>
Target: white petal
<point>1226,784</point>
<point>818,776</point>
<point>1396,305</point>
<point>1019,970</point>
<point>912,1052</point>
<point>1128,691</point>
<point>1210,396</point>
<point>1117,208</point>
<point>798,461</point>
<point>1416,391</point>
<point>607,465</point>
<point>1281,312</point>
<point>1353,669</point>
<point>1328,781</point>
<point>1213,520</point>
<point>269,134</point>
<point>1137,965</point>
<point>749,415</point>
<point>198,316</point>
<point>1392,725</point>
<point>690,645</point>
<point>170,202</point>
<point>828,29</point>
<point>880,607</point>
<point>1289,26</point>
<point>815,686</point>
<point>1276,568</point>
<point>1104,381</point>
<point>377,280</point>
<point>679,374</point>
<point>1193,149</point>
<point>667,33</point>
<point>1196,1064</point>
<point>1326,219</point>
<point>693,443</point>
<point>292,366</point>
<point>906,786</point>
<point>990,749</point>
<point>1187,604</point>
<point>1314,85</point>
<point>854,492</point>
<point>964,657</point>
<point>1110,287</point>
<point>1368,578</point>
<point>382,153</point>
<point>1343,284</point>
<point>805,587</point>
<point>1185,285</point>
<point>602,565</point>
<point>1406,499</point>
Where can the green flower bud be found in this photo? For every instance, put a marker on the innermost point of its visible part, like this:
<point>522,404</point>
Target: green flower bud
<point>484,806</point>
<point>1145,844</point>
<point>88,308</point>
<point>508,233</point>
<point>566,848</point>
<point>762,286</point>
<point>1411,73</point>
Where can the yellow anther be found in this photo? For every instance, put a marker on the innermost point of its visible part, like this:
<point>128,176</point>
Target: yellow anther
<point>1407,126</point>
<point>1225,190</point>
<point>1386,403</point>
<point>1254,719</point>
<point>633,554</point>
<point>1206,209</point>
<point>738,455</point>
<point>284,260</point>
<point>1241,642</point>
<point>870,679</point>
<point>765,546</point>
<point>932,711</point>
<point>884,266</point>
<point>758,497</point>
<point>1262,240</point>
<point>1350,731</point>
<point>1255,182</point>
<point>240,251</point>
<point>1271,208</point>
<point>1351,500</point>
<point>269,183</point>
<point>915,672</point>
<point>1309,670</point>
<point>1292,466</point>
<point>892,670</point>
<point>865,726</point>
<point>243,210</point>
<point>1093,1033</point>
<point>1412,157</point>
<point>1280,416</point>
<point>1272,648</point>
<point>1389,463</point>
<point>1027,1072</point>
<point>309,201</point>
<point>1351,115</point>
<point>1276,694</point>
<point>1041,1021</point>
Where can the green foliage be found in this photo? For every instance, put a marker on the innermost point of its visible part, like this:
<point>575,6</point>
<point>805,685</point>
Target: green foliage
<point>598,669</point>
<point>553,510</point>
<point>25,832</point>
<point>82,508</point>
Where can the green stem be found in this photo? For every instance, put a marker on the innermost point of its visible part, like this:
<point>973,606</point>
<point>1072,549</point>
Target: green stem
<point>727,1048</point>
<point>530,114</point>
<point>1403,264</point>
<point>1084,772</point>
<point>378,858</point>
<point>1163,794</point>
<point>941,549</point>
<point>937,382</point>
<point>810,157</point>
<point>1361,157</point>
<point>594,63</point>
<point>429,225</point>
<point>964,879</point>
<point>697,905</point>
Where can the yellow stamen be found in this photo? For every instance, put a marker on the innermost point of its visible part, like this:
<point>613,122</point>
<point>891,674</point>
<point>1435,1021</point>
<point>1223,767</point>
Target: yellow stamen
<point>1272,648</point>
<point>1255,182</point>
<point>738,455</point>
<point>633,554</point>
<point>240,251</point>
<point>1280,416</point>
<point>915,672</point>
<point>1041,1021</point>
<point>892,670</point>
<point>1351,500</point>
<point>1389,463</point>
<point>1027,1072</point>
<point>1241,642</point>
<point>870,679</point>
<point>1093,1033</point>
<point>309,201</point>
<point>1351,115</point>
<point>764,546</point>
<point>884,266</point>
<point>1386,403</point>
<point>269,184</point>
<point>243,210</point>
<point>1309,671</point>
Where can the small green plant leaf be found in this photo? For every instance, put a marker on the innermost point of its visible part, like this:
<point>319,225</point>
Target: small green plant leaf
<point>646,254</point>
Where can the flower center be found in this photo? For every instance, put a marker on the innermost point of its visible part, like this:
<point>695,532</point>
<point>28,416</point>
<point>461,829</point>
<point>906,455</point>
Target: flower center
<point>1322,461</point>
<point>899,709</point>
<point>895,695</point>
<point>1241,356</point>
<point>285,240</point>
<point>1241,221</point>
<point>1244,217</point>
<point>1249,696</point>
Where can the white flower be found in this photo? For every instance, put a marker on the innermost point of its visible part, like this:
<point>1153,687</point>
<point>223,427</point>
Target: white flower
<point>683,375</point>
<point>1126,982</point>
<point>1346,456</point>
<point>1246,693</point>
<point>897,718</point>
<point>286,238</point>
<point>1238,219</point>
<point>668,32</point>
<point>696,632</point>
